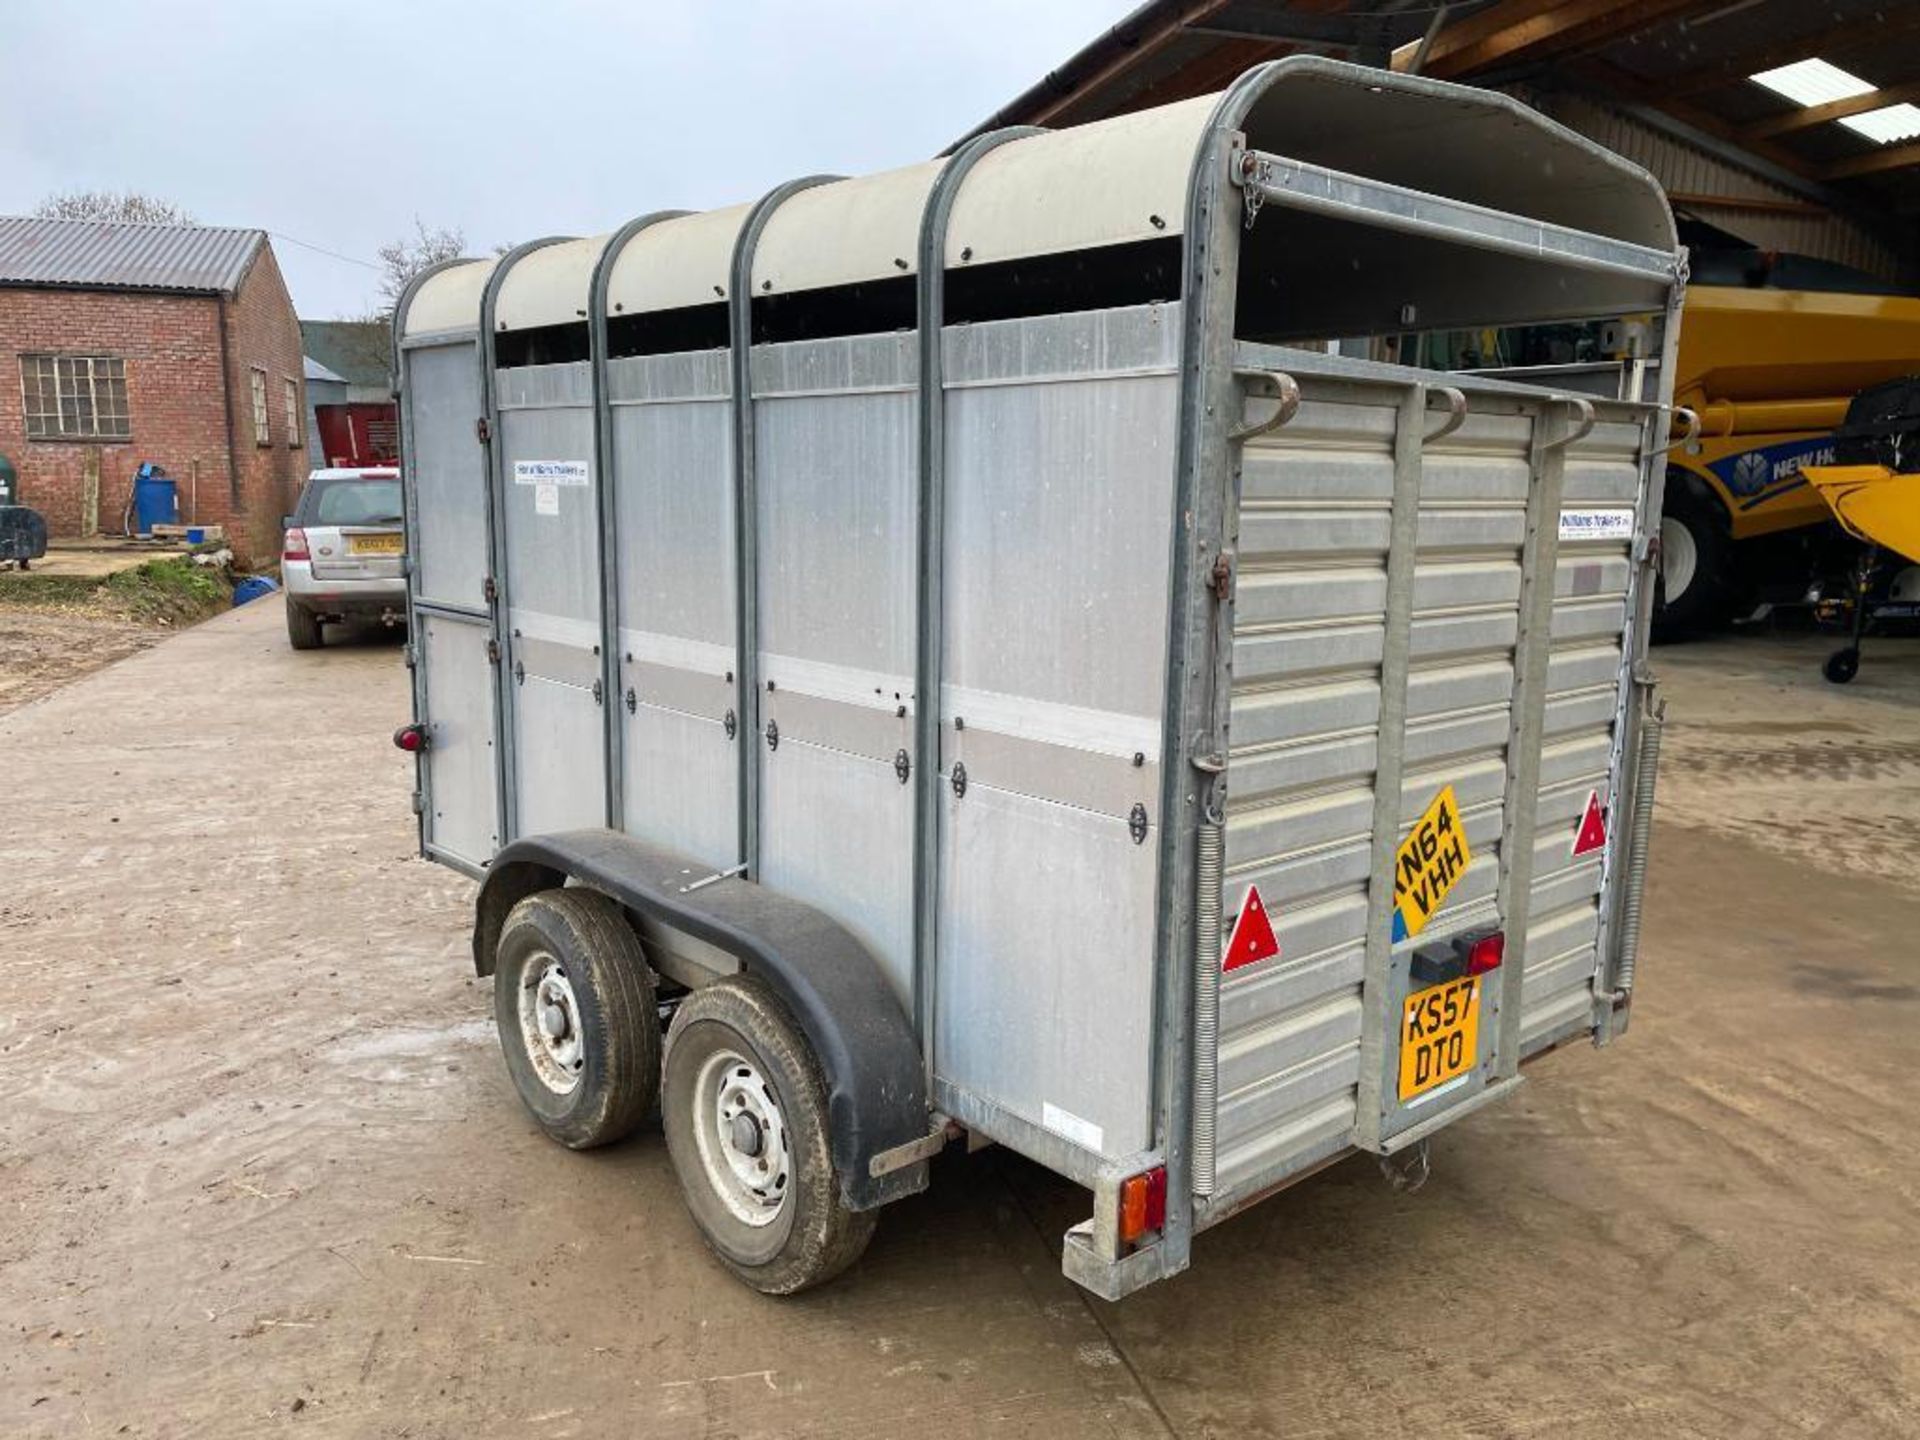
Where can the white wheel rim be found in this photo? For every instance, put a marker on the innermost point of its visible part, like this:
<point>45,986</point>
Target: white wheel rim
<point>550,1025</point>
<point>1679,557</point>
<point>742,1138</point>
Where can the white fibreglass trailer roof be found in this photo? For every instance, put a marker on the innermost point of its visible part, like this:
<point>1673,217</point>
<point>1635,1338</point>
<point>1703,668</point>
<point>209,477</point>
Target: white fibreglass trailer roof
<point>676,263</point>
<point>449,299</point>
<point>549,286</point>
<point>844,232</point>
<point>1108,183</point>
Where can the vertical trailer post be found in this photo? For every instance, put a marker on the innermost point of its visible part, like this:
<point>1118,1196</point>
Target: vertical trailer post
<point>1390,746</point>
<point>1636,685</point>
<point>746,512</point>
<point>503,717</point>
<point>1527,728</point>
<point>929,658</point>
<point>1200,577</point>
<point>614,738</point>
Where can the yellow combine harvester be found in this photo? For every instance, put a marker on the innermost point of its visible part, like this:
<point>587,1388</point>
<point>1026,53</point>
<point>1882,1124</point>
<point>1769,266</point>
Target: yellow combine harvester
<point>1770,372</point>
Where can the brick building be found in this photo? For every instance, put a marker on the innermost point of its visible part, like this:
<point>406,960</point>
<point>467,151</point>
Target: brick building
<point>176,344</point>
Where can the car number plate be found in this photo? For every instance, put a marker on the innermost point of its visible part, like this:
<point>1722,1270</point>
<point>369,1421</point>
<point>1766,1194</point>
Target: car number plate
<point>1439,1035</point>
<point>374,544</point>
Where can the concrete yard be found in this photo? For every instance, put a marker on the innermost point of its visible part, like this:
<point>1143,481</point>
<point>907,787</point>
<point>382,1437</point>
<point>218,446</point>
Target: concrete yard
<point>262,1171</point>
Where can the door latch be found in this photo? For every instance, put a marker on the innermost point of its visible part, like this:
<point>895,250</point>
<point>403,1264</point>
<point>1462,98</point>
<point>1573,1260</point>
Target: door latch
<point>1221,578</point>
<point>773,734</point>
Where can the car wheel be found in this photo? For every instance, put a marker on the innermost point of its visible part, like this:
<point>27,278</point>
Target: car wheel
<point>1695,589</point>
<point>745,1112</point>
<point>573,1001</point>
<point>303,627</point>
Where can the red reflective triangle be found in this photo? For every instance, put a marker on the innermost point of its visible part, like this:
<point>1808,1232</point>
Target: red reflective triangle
<point>1252,934</point>
<point>1592,834</point>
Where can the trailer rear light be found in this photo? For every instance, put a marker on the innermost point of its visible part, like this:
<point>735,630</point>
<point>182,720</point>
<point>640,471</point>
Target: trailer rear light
<point>296,545</point>
<point>1486,952</point>
<point>1143,1204</point>
<point>411,738</point>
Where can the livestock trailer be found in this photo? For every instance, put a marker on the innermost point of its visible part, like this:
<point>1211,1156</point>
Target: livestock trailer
<point>992,648</point>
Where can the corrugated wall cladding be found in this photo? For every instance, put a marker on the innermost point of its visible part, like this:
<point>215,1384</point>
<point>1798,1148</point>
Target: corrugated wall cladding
<point>1687,170</point>
<point>115,255</point>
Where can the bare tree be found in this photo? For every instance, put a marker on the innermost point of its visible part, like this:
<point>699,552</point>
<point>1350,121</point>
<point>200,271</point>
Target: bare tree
<point>127,205</point>
<point>402,259</point>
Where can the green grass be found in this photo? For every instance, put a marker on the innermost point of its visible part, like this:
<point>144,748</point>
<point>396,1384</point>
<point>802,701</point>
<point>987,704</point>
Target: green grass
<point>171,590</point>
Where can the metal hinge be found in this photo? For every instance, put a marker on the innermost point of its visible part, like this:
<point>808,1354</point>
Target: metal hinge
<point>489,591</point>
<point>599,693</point>
<point>959,780</point>
<point>732,725</point>
<point>773,734</point>
<point>482,431</point>
<point>1137,824</point>
<point>902,765</point>
<point>493,652</point>
<point>409,655</point>
<point>633,700</point>
<point>419,802</point>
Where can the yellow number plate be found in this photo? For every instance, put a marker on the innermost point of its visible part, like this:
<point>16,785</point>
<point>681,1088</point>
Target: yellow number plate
<point>1430,862</point>
<point>374,544</point>
<point>1439,1035</point>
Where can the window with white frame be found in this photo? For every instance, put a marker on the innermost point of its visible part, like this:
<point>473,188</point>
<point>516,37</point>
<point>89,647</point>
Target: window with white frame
<point>75,397</point>
<point>262,429</point>
<point>294,427</point>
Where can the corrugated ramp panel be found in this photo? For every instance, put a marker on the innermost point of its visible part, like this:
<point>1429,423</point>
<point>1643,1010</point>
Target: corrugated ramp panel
<point>1309,621</point>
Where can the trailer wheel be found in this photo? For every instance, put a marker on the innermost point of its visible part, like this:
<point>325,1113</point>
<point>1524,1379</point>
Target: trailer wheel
<point>573,1002</point>
<point>745,1112</point>
<point>303,627</point>
<point>1696,583</point>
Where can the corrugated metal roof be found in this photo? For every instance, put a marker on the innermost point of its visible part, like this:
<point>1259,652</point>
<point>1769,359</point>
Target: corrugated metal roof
<point>117,255</point>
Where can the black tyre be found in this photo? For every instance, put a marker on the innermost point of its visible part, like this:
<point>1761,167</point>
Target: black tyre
<point>745,1112</point>
<point>1697,580</point>
<point>303,627</point>
<point>573,1001</point>
<point>1842,665</point>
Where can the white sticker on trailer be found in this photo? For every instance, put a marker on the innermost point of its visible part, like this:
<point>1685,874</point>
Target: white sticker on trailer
<point>1083,1133</point>
<point>551,472</point>
<point>1609,524</point>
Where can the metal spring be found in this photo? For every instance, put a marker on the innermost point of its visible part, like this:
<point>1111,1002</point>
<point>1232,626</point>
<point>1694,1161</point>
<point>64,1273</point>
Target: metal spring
<point>1206,1004</point>
<point>1644,778</point>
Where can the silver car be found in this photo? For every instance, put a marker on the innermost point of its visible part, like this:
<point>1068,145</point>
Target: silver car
<point>344,552</point>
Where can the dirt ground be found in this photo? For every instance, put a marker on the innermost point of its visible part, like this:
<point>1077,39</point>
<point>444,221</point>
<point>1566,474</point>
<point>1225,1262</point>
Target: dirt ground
<point>261,1170</point>
<point>44,647</point>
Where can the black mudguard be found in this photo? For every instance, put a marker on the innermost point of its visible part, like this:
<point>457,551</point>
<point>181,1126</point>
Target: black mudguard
<point>835,990</point>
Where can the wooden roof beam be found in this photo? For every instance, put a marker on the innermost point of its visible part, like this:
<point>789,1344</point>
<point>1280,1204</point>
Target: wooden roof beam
<point>1848,35</point>
<point>1808,116</point>
<point>1874,162</point>
<point>1522,31</point>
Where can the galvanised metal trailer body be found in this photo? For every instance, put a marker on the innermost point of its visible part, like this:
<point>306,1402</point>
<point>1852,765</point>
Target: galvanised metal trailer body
<point>961,643</point>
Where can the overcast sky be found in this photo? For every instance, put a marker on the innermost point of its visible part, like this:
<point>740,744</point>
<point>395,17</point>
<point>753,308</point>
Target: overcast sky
<point>336,122</point>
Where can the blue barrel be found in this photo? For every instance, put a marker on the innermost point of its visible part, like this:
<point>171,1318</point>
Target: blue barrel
<point>156,501</point>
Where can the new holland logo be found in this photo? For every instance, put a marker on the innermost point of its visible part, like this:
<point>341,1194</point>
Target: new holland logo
<point>1751,471</point>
